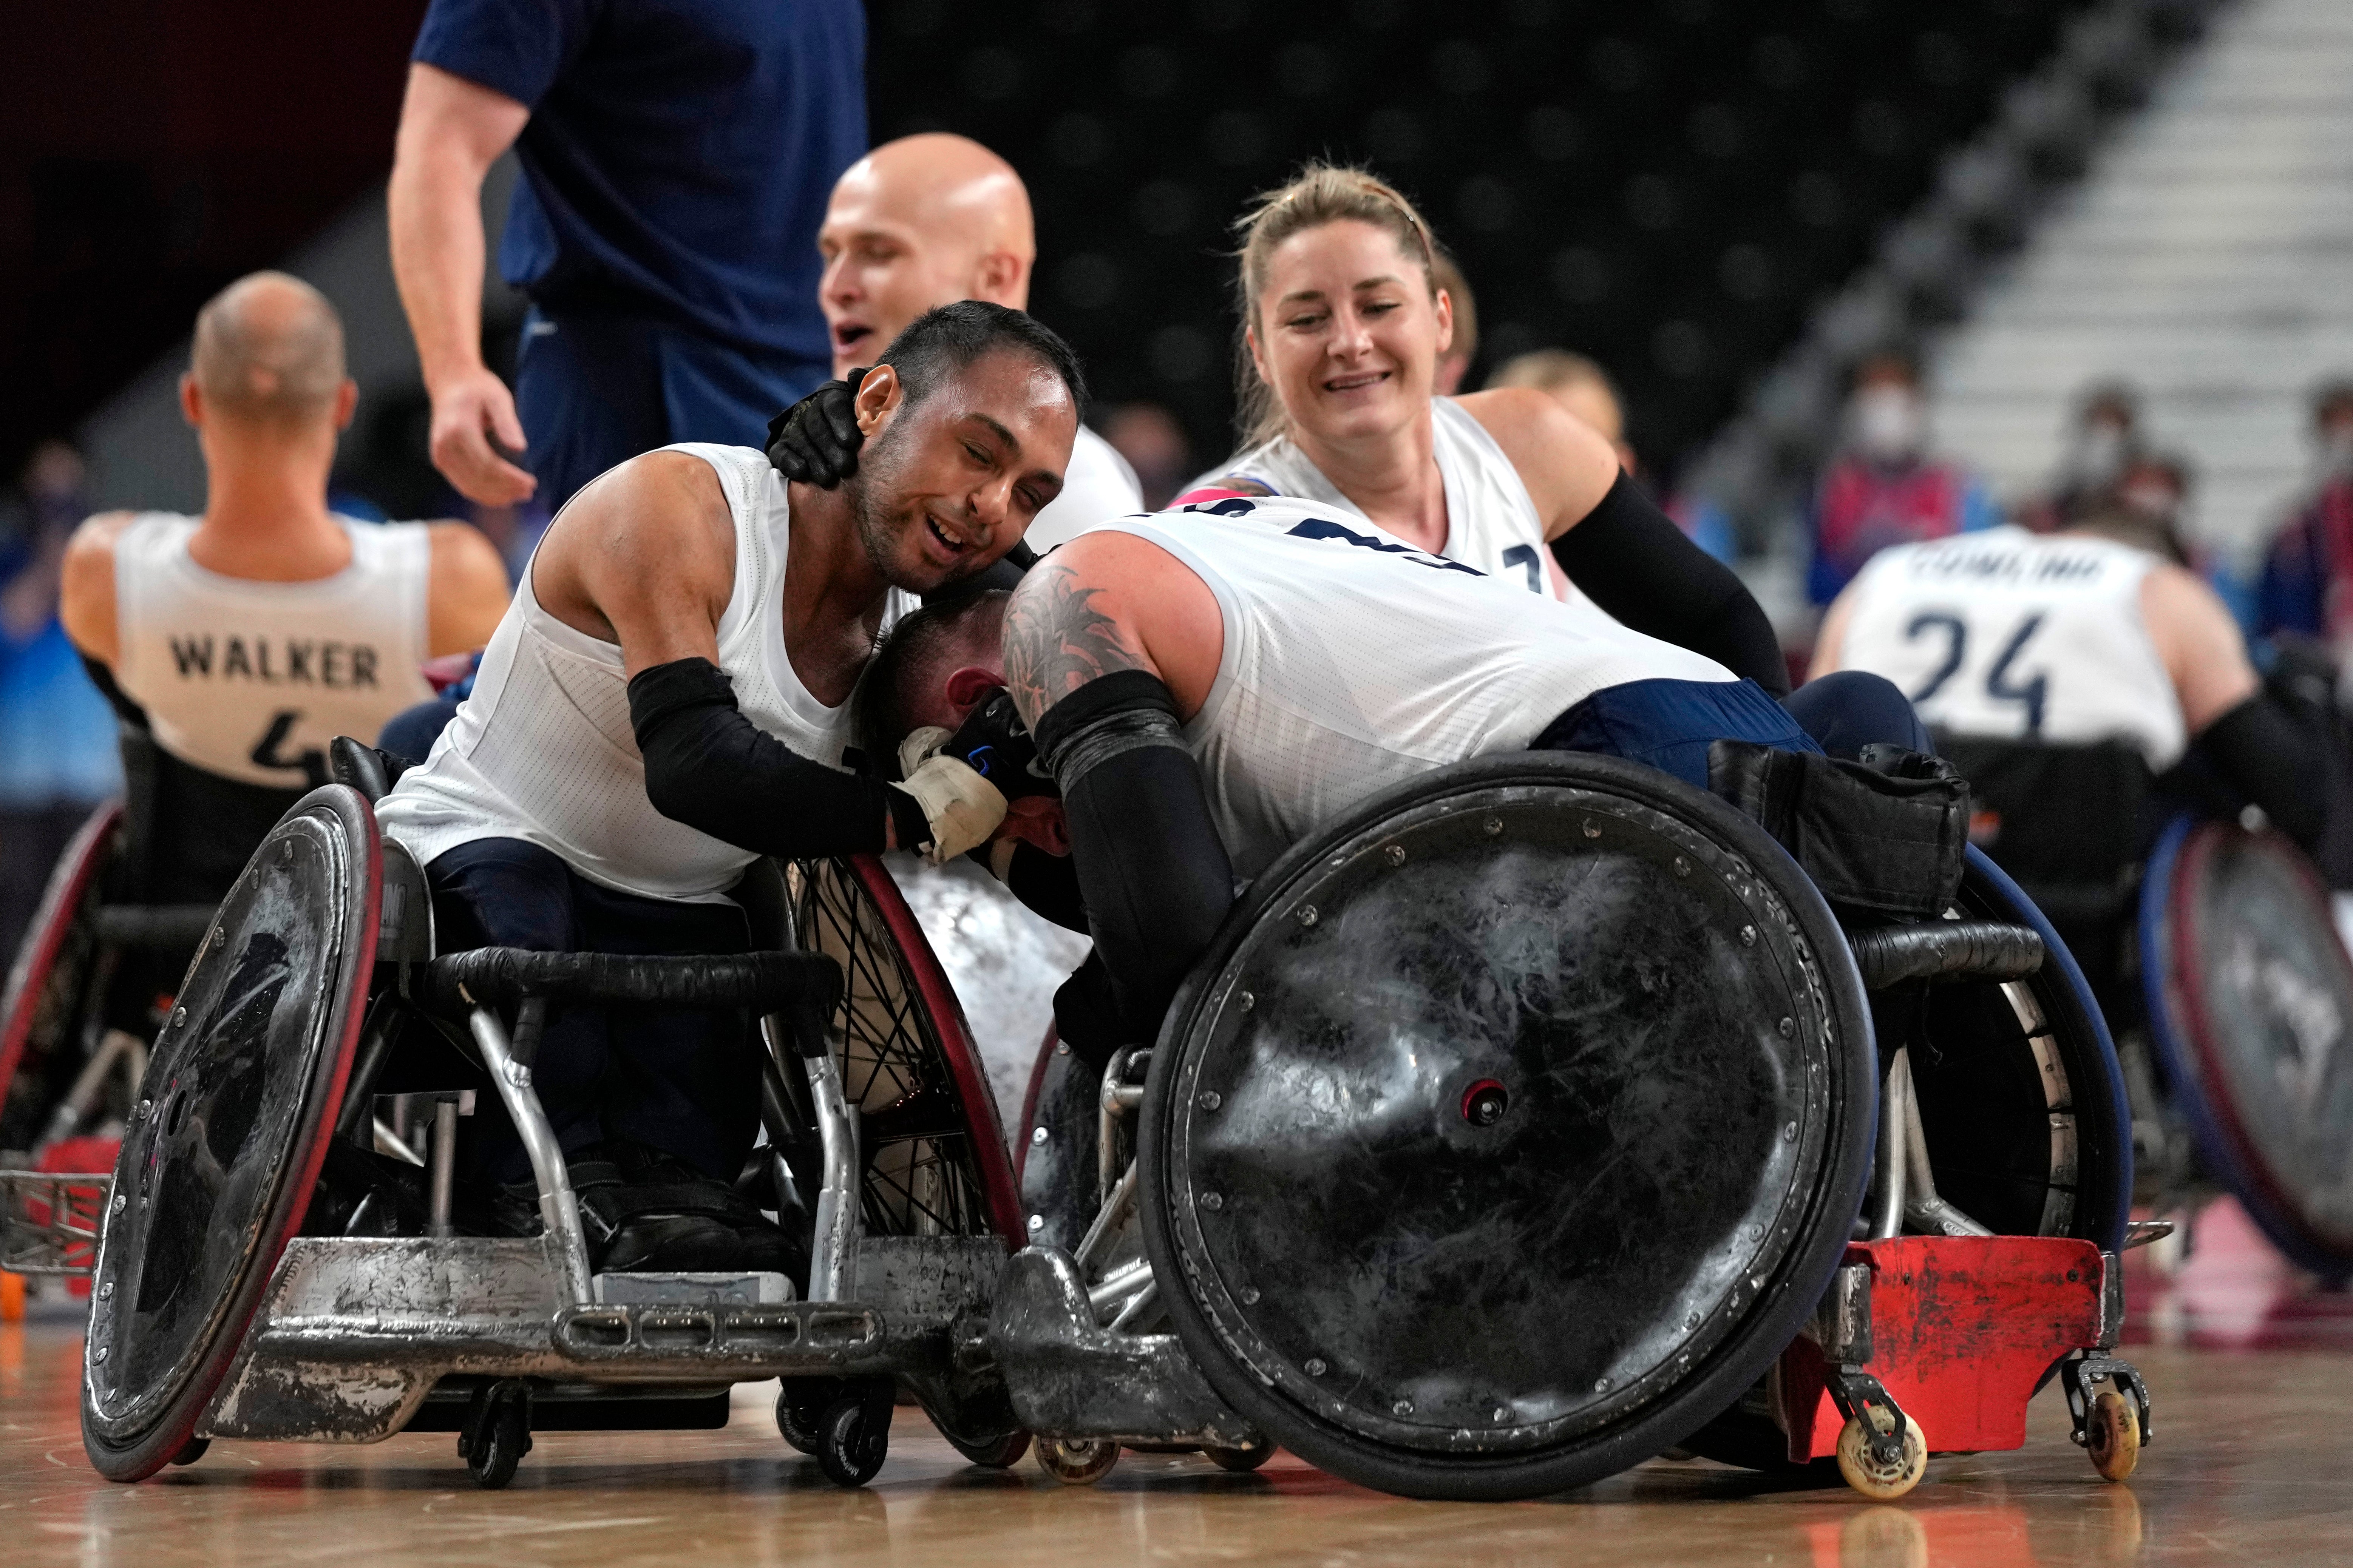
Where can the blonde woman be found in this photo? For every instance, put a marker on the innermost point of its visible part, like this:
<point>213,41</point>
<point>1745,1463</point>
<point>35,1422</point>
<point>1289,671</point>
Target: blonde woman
<point>1344,323</point>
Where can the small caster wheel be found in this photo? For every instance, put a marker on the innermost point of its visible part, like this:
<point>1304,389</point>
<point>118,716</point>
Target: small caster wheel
<point>852,1439</point>
<point>194,1449</point>
<point>1865,1473</point>
<point>1241,1461</point>
<point>2112,1436</point>
<point>1076,1464</point>
<point>797,1420</point>
<point>497,1434</point>
<point>1002,1455</point>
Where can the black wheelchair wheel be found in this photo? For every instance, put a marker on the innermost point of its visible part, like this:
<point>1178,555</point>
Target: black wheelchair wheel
<point>223,1150</point>
<point>853,1435</point>
<point>1509,1129</point>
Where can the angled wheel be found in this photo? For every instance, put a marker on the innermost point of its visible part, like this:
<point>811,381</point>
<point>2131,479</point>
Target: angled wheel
<point>1002,1454</point>
<point>2249,992</point>
<point>1241,1461</point>
<point>1509,1129</point>
<point>1866,1472</point>
<point>56,982</point>
<point>222,1151</point>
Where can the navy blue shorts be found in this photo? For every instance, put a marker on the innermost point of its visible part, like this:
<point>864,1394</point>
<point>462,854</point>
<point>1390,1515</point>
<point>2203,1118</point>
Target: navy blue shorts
<point>1670,724</point>
<point>595,391</point>
<point>685,1080</point>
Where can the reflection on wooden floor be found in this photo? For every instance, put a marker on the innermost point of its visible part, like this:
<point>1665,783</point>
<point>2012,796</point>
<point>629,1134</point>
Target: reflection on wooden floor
<point>2253,1462</point>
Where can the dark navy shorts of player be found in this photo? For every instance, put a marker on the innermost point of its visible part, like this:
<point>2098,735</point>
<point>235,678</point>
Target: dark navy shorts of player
<point>1670,724</point>
<point>594,390</point>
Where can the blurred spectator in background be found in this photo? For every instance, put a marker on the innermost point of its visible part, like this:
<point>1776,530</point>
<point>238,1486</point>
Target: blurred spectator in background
<point>2307,581</point>
<point>1882,488</point>
<point>56,735</point>
<point>1154,445</point>
<point>675,162</point>
<point>1583,388</point>
<point>1577,385</point>
<point>1455,363</point>
<point>2104,439</point>
<point>925,221</point>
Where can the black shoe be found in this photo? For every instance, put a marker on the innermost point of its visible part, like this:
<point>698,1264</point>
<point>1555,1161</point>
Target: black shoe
<point>647,1212</point>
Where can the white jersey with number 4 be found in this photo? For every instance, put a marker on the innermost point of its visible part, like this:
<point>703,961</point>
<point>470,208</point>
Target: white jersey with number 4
<point>2006,635</point>
<point>1353,661</point>
<point>250,680</point>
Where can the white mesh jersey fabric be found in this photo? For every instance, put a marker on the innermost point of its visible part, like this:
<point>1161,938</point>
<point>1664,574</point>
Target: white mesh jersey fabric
<point>1353,661</point>
<point>250,680</point>
<point>2006,635</point>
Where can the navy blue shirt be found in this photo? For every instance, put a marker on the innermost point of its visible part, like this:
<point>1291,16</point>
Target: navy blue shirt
<point>678,154</point>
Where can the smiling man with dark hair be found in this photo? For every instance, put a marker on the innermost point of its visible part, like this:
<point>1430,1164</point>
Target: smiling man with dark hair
<point>666,701</point>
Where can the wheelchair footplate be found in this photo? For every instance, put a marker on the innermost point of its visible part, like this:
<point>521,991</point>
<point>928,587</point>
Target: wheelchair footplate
<point>1935,1344</point>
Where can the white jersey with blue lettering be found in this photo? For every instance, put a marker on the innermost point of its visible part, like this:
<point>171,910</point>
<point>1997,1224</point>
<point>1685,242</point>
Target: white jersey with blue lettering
<point>1353,661</point>
<point>2006,635</point>
<point>1490,521</point>
<point>544,750</point>
<point>250,680</point>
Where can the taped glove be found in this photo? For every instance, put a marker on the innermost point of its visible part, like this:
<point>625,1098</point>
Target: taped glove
<point>962,808</point>
<point>816,441</point>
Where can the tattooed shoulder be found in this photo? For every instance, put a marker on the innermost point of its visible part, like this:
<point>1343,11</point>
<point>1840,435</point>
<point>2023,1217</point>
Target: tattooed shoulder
<point>1057,639</point>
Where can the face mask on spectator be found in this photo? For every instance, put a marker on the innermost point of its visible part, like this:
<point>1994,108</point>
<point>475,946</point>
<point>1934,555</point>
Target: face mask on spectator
<point>2337,451</point>
<point>2100,453</point>
<point>1888,423</point>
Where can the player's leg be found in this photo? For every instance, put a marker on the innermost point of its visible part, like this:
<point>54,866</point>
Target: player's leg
<point>589,391</point>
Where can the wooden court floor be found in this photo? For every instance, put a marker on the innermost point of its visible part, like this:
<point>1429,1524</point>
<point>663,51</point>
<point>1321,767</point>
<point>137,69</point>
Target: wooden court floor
<point>2253,1462</point>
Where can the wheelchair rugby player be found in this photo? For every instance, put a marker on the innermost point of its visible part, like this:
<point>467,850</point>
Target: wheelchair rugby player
<point>2182,819</point>
<point>1437,1004</point>
<point>557,933</point>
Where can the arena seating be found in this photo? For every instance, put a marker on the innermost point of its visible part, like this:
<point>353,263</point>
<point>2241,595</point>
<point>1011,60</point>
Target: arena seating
<point>1667,187</point>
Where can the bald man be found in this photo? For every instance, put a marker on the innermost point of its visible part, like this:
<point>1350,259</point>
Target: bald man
<point>244,640</point>
<point>928,220</point>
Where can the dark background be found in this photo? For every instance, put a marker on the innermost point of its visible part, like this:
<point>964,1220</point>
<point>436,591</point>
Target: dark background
<point>1668,186</point>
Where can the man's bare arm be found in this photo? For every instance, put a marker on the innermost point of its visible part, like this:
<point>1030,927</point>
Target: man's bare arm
<point>1059,635</point>
<point>452,132</point>
<point>86,587</point>
<point>2199,643</point>
<point>644,557</point>
<point>468,591</point>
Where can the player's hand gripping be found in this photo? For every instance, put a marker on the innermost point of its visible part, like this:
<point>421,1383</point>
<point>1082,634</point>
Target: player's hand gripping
<point>815,440</point>
<point>962,808</point>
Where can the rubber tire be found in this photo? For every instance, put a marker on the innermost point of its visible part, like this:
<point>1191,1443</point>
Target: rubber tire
<point>505,1439</point>
<point>1241,1461</point>
<point>1804,1274</point>
<point>1076,1464</point>
<point>851,1449</point>
<point>2112,1436</point>
<point>801,1432</point>
<point>192,1450</point>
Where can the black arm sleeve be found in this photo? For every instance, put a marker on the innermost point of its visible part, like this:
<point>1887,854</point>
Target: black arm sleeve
<point>1151,867</point>
<point>2273,760</point>
<point>1637,564</point>
<point>709,767</point>
<point>1047,885</point>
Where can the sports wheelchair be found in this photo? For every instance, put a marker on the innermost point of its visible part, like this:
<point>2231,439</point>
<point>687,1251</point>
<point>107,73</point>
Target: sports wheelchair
<point>2224,973</point>
<point>1521,1127</point>
<point>233,1299</point>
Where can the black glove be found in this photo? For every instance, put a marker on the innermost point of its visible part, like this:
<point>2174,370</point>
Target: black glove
<point>815,440</point>
<point>994,742</point>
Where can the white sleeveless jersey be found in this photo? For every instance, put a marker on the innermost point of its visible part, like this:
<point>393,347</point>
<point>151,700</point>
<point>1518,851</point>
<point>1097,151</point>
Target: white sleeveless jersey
<point>1098,485</point>
<point>543,751</point>
<point>1491,521</point>
<point>250,680</point>
<point>2006,635</point>
<point>1353,661</point>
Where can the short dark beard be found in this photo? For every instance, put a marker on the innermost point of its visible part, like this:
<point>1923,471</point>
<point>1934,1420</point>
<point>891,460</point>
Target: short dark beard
<point>868,491</point>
